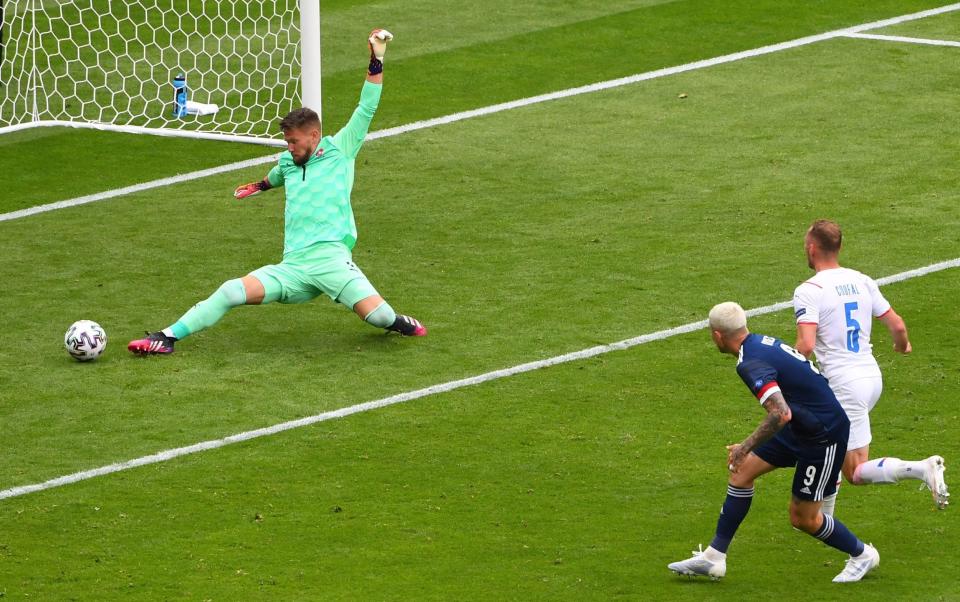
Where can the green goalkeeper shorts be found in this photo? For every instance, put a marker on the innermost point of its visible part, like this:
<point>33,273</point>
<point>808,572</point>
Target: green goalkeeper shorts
<point>322,268</point>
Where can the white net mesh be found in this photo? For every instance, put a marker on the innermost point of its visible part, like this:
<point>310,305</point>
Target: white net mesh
<point>113,62</point>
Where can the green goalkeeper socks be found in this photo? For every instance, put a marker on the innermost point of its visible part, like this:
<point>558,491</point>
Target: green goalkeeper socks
<point>381,317</point>
<point>209,311</point>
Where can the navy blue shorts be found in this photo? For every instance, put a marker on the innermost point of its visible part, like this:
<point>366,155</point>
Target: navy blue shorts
<point>818,465</point>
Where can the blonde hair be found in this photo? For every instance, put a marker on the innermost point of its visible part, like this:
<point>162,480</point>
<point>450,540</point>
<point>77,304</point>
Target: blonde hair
<point>728,317</point>
<point>826,235</point>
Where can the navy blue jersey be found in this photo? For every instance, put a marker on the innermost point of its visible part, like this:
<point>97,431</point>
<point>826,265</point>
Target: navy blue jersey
<point>768,365</point>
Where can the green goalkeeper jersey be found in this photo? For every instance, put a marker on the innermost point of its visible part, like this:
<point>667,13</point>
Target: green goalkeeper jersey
<point>318,192</point>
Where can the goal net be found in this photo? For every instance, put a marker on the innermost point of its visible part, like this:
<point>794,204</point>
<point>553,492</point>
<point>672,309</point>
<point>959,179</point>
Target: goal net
<point>113,64</point>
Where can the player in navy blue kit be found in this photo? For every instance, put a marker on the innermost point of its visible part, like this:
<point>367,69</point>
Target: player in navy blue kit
<point>804,427</point>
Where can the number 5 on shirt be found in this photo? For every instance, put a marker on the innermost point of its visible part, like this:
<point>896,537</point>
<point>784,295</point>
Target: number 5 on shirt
<point>853,327</point>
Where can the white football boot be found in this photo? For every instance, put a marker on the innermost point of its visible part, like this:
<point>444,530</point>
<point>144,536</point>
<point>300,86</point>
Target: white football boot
<point>858,566</point>
<point>933,480</point>
<point>699,564</point>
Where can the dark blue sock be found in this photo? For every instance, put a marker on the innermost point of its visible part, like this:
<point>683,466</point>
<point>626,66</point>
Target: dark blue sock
<point>836,535</point>
<point>734,510</point>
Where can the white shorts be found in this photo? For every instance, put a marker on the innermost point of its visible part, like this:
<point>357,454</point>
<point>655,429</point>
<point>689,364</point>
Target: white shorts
<point>857,398</point>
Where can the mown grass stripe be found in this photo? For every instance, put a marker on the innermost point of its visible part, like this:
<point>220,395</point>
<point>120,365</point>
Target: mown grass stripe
<point>589,352</point>
<point>506,106</point>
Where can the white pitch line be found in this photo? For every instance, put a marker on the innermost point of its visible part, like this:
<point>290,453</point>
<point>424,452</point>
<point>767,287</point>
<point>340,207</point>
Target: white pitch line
<point>927,41</point>
<point>632,79</point>
<point>923,14</point>
<point>102,196</point>
<point>506,106</point>
<point>660,335</point>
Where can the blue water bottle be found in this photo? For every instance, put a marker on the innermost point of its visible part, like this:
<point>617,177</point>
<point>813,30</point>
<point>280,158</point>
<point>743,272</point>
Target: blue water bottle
<point>180,95</point>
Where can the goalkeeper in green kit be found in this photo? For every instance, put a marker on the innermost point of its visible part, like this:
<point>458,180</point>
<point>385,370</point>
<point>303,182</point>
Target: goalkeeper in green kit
<point>319,229</point>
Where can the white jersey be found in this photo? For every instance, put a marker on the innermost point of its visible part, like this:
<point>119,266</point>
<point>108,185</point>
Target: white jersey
<point>842,303</point>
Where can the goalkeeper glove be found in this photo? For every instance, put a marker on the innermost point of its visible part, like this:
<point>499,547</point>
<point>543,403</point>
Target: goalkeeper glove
<point>378,43</point>
<point>250,189</point>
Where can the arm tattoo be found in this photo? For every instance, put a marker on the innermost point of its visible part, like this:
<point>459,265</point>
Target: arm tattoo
<point>778,414</point>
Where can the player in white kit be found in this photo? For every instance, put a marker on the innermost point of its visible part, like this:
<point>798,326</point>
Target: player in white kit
<point>834,312</point>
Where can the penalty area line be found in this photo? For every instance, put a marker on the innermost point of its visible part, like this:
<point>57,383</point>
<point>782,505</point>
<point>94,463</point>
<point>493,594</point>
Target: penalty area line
<point>497,108</point>
<point>903,39</point>
<point>660,335</point>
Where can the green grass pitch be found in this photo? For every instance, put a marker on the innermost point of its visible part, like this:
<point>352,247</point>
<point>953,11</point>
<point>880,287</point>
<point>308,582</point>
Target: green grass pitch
<point>515,237</point>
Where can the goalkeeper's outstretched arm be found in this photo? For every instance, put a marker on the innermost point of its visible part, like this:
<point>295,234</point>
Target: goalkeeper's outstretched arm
<point>351,136</point>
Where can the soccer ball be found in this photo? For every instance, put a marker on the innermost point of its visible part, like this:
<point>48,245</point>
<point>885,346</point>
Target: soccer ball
<point>85,340</point>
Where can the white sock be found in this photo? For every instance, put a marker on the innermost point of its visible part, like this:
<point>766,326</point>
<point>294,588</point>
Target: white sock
<point>829,503</point>
<point>713,555</point>
<point>167,332</point>
<point>890,470</point>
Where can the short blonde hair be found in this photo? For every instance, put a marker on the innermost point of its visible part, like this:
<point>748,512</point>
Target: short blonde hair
<point>728,317</point>
<point>826,235</point>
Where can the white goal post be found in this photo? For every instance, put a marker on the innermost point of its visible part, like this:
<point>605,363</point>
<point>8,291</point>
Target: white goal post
<point>114,65</point>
